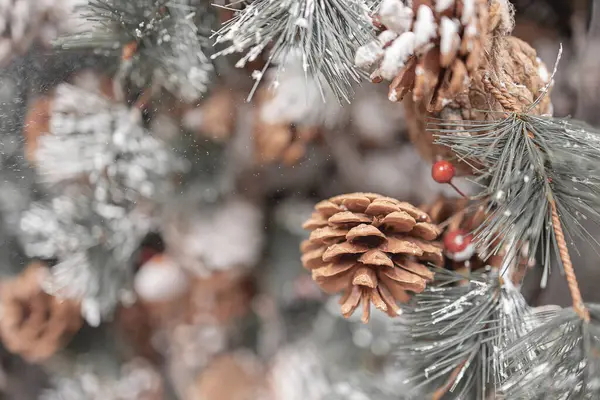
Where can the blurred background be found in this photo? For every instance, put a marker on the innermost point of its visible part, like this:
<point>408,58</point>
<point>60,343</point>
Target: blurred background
<point>200,294</point>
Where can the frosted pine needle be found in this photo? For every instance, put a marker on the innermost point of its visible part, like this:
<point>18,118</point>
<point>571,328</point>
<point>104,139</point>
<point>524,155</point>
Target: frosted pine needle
<point>92,245</point>
<point>163,42</point>
<point>452,333</point>
<point>525,162</point>
<point>567,362</point>
<point>110,177</point>
<point>23,22</point>
<point>325,32</point>
<point>102,143</point>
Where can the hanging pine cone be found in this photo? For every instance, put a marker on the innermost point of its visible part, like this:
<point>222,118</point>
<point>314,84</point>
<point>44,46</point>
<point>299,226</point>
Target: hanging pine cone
<point>34,324</point>
<point>286,143</point>
<point>458,63</point>
<point>432,47</point>
<point>372,248</point>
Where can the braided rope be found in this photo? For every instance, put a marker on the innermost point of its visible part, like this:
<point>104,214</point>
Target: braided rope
<point>578,304</point>
<point>502,95</point>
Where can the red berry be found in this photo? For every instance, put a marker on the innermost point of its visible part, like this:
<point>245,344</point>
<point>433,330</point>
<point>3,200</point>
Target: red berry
<point>443,172</point>
<point>457,241</point>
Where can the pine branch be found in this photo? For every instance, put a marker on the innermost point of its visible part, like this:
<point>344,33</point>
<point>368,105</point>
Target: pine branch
<point>323,33</point>
<point>164,42</point>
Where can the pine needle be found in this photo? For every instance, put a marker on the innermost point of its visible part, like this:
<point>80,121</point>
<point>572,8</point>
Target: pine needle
<point>324,34</point>
<point>526,162</point>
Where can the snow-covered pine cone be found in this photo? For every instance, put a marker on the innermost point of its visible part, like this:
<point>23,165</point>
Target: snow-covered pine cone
<point>430,48</point>
<point>456,59</point>
<point>372,248</point>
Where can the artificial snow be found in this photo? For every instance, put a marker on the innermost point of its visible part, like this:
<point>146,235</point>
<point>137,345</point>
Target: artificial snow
<point>468,11</point>
<point>368,55</point>
<point>395,15</point>
<point>397,54</point>
<point>425,28</point>
<point>443,5</point>
<point>449,35</point>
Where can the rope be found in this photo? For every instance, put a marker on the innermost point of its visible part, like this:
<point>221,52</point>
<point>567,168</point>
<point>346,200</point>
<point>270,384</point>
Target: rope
<point>502,95</point>
<point>578,304</point>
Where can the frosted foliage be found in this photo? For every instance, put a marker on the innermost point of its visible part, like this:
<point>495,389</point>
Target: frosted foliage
<point>326,32</point>
<point>136,381</point>
<point>103,143</point>
<point>187,72</point>
<point>92,248</point>
<point>23,22</point>
<point>172,49</point>
<point>206,240</point>
<point>297,373</point>
<point>298,99</point>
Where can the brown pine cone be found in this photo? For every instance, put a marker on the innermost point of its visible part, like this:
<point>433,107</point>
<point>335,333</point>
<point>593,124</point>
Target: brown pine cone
<point>435,49</point>
<point>284,143</point>
<point>372,248</point>
<point>235,376</point>
<point>34,324</point>
<point>215,117</point>
<point>459,64</point>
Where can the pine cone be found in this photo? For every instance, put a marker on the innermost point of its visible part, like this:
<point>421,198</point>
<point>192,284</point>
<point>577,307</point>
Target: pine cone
<point>34,324</point>
<point>235,376</point>
<point>215,117</point>
<point>280,142</point>
<point>432,48</point>
<point>371,247</point>
<point>455,58</point>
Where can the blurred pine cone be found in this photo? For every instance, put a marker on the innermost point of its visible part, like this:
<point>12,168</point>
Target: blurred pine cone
<point>280,142</point>
<point>233,376</point>
<point>34,324</point>
<point>372,248</point>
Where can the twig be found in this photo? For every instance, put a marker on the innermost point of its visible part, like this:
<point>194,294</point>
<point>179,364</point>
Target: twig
<point>439,393</point>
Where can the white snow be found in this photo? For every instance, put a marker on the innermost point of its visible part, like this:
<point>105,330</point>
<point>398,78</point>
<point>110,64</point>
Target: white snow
<point>443,5</point>
<point>425,27</point>
<point>395,15</point>
<point>449,35</point>
<point>468,11</point>
<point>397,54</point>
<point>386,37</point>
<point>368,54</point>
